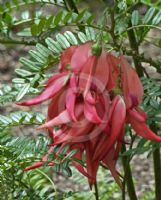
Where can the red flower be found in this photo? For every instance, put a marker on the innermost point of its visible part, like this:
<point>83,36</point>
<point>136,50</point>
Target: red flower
<point>92,98</point>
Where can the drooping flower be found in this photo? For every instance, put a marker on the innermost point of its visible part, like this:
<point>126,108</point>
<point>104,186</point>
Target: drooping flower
<point>92,98</point>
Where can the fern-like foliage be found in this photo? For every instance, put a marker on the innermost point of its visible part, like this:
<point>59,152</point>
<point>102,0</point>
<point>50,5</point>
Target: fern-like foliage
<point>151,3</point>
<point>152,106</point>
<point>15,154</point>
<point>152,99</point>
<point>21,118</point>
<point>143,24</point>
<point>31,23</point>
<point>32,74</point>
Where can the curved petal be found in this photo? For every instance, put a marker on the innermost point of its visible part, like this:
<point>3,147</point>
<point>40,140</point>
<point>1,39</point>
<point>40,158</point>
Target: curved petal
<point>66,56</point>
<point>70,103</point>
<point>131,84</point>
<point>113,63</point>
<point>142,129</point>
<point>101,75</point>
<point>136,115</point>
<point>92,166</point>
<point>71,97</point>
<point>54,77</point>
<point>80,56</point>
<point>57,104</point>
<point>62,118</point>
<point>48,93</point>
<point>110,162</point>
<point>90,113</point>
<point>86,75</point>
<point>117,122</point>
<point>89,98</point>
<point>35,165</point>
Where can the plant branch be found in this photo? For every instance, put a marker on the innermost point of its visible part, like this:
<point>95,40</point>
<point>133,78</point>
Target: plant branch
<point>30,3</point>
<point>142,58</point>
<point>157,167</point>
<point>157,173</point>
<point>128,176</point>
<point>21,42</point>
<point>96,191</point>
<point>143,25</point>
<point>135,48</point>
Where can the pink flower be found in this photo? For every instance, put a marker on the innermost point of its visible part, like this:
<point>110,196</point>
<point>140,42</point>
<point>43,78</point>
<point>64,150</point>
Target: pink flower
<point>92,97</point>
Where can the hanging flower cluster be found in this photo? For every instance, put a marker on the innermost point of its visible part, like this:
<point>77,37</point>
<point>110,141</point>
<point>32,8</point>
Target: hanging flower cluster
<point>93,96</point>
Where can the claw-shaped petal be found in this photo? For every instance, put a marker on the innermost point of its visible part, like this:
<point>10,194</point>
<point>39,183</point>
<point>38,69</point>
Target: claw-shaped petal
<point>131,84</point>
<point>48,93</point>
<point>62,118</point>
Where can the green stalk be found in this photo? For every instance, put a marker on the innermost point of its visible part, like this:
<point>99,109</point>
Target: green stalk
<point>157,173</point>
<point>135,48</point>
<point>96,191</point>
<point>157,167</point>
<point>128,180</point>
<point>156,153</point>
<point>20,42</point>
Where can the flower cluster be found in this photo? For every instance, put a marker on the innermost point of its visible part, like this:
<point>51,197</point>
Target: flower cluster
<point>92,97</point>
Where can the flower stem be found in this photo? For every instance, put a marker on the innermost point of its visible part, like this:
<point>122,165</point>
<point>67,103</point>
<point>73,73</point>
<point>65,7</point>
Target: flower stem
<point>128,176</point>
<point>20,42</point>
<point>135,48</point>
<point>157,173</point>
<point>96,191</point>
<point>157,167</point>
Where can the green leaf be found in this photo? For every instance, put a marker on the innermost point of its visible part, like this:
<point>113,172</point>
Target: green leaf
<point>49,21</point>
<point>90,19</point>
<point>40,117</point>
<point>43,50</point>
<point>41,25</point>
<point>62,41</point>
<point>16,117</point>
<point>53,45</point>
<point>18,80</point>
<point>71,153</point>
<point>148,16</point>
<point>38,56</point>
<point>23,72</point>
<point>58,18</point>
<point>82,37</point>
<point>34,29</point>
<point>67,171</point>
<point>67,17</point>
<point>135,18</point>
<point>157,19</point>
<point>30,64</point>
<point>71,38</point>
<point>80,16</point>
<point>5,120</point>
<point>90,33</point>
<point>22,92</point>
<point>65,148</point>
<point>7,18</point>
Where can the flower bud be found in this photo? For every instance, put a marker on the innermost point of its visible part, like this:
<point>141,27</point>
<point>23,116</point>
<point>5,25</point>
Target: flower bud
<point>96,49</point>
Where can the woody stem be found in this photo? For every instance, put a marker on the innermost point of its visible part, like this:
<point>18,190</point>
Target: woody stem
<point>128,180</point>
<point>135,48</point>
<point>157,168</point>
<point>156,153</point>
